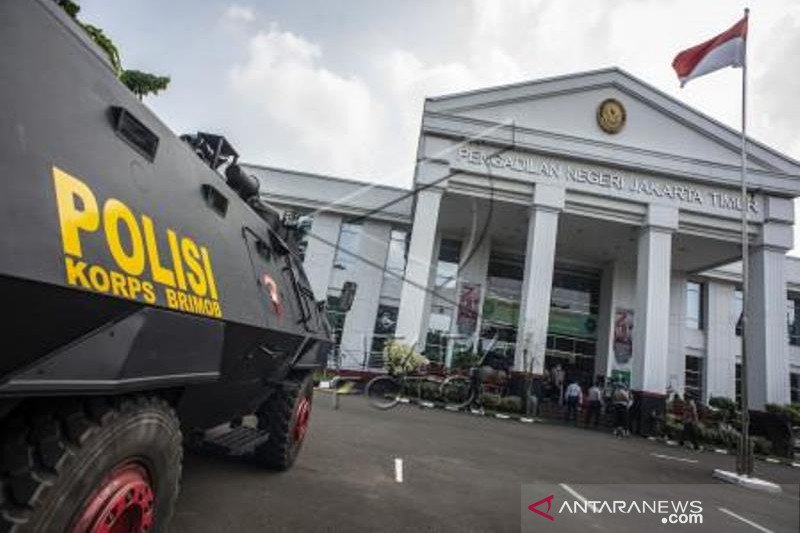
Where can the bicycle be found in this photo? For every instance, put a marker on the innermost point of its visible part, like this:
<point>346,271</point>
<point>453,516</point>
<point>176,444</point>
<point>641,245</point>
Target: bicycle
<point>459,391</point>
<point>386,391</point>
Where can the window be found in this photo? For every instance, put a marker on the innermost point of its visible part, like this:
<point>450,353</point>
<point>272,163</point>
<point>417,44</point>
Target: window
<point>347,247</point>
<point>793,319</point>
<point>693,379</point>
<point>443,301</point>
<point>336,317</point>
<point>447,265</point>
<point>398,250</point>
<point>389,302</point>
<point>500,311</point>
<point>794,387</point>
<point>694,305</point>
<point>737,308</point>
<point>347,252</point>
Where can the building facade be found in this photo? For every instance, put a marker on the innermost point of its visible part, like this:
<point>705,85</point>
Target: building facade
<point>586,221</point>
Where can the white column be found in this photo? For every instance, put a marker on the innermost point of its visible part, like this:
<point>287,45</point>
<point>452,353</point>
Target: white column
<point>321,252</point>
<point>412,314</point>
<point>537,283</point>
<point>677,342</point>
<point>605,322</point>
<point>767,336</point>
<point>652,310</point>
<point>360,322</point>
<point>720,371</point>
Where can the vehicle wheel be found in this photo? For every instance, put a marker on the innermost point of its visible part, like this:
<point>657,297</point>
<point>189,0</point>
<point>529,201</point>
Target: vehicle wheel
<point>285,416</point>
<point>383,392</point>
<point>457,392</point>
<point>91,466</point>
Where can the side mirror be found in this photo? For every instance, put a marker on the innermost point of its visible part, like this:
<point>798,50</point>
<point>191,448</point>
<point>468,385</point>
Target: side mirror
<point>347,296</point>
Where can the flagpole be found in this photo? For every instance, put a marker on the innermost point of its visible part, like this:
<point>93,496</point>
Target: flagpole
<point>745,459</point>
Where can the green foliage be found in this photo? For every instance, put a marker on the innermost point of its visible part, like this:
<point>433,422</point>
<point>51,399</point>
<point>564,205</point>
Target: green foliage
<point>106,44</point>
<point>491,401</point>
<point>725,408</point>
<point>140,83</point>
<point>143,83</point>
<point>400,358</point>
<point>510,404</point>
<point>791,411</point>
<point>761,445</point>
<point>429,391</point>
<point>722,435</point>
<point>70,7</point>
<point>465,359</point>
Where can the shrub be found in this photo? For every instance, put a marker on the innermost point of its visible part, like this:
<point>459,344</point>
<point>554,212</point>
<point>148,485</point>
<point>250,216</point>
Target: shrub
<point>761,445</point>
<point>491,401</point>
<point>725,407</point>
<point>429,391</point>
<point>401,358</point>
<point>791,411</point>
<point>672,427</point>
<point>511,404</point>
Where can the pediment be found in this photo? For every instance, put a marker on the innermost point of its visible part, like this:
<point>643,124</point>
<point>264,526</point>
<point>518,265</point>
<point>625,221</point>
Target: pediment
<point>655,122</point>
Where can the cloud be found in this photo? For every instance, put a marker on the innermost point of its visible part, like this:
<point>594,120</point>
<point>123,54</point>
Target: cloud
<point>240,13</point>
<point>309,105</point>
<point>330,119</point>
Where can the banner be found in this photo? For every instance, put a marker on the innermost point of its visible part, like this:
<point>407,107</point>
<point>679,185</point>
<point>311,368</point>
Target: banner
<point>469,300</point>
<point>623,336</point>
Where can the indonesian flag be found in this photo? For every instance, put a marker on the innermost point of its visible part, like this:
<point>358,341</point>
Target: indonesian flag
<point>725,50</point>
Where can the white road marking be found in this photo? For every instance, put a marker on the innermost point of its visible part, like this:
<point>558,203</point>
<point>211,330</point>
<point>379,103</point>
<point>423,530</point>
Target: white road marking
<point>671,458</point>
<point>574,493</point>
<point>745,520</point>
<point>398,469</point>
<point>772,460</point>
<point>502,416</point>
<point>526,420</point>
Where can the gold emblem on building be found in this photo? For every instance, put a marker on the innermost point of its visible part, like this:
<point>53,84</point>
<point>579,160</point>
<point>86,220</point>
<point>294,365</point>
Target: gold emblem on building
<point>611,115</point>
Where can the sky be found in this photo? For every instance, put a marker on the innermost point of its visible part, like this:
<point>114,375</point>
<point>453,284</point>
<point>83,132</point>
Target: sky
<point>337,86</point>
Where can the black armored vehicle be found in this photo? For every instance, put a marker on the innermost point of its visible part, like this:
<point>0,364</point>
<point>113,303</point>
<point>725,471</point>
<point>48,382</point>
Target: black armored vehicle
<point>150,295</point>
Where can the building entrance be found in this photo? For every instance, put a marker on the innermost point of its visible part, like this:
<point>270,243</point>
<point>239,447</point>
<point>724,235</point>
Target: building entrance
<point>572,327</point>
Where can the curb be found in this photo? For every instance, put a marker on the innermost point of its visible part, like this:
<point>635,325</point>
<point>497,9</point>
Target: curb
<point>746,482</point>
<point>427,404</point>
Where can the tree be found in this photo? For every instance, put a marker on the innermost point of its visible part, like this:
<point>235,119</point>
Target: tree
<point>140,83</point>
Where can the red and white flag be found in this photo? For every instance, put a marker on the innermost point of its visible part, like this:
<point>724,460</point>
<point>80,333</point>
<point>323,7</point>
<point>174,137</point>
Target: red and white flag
<point>725,50</point>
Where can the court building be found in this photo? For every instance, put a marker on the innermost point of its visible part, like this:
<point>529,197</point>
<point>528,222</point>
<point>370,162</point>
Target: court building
<point>588,221</point>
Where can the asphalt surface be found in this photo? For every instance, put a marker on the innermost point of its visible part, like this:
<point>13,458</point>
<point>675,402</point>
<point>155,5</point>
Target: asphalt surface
<point>467,473</point>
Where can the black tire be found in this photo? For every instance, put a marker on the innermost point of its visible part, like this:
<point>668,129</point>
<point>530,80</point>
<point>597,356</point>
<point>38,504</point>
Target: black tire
<point>282,417</point>
<point>457,392</point>
<point>55,456</point>
<point>383,392</point>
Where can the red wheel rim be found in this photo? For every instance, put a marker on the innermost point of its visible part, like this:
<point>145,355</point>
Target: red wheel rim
<point>303,416</point>
<point>122,504</point>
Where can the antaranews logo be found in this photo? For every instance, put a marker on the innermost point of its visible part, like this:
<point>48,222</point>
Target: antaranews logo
<point>667,511</point>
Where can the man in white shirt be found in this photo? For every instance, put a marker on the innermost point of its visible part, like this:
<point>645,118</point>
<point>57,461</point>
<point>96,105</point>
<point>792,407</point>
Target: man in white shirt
<point>574,397</point>
<point>595,404</point>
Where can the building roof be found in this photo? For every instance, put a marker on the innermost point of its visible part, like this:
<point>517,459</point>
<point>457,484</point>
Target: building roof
<point>663,135</point>
<point>317,192</point>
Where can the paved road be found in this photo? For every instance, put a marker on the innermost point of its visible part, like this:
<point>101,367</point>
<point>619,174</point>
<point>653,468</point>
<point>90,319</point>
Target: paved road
<point>466,473</point>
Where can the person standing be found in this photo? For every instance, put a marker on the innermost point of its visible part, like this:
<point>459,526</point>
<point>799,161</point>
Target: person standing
<point>622,402</point>
<point>573,396</point>
<point>595,404</point>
